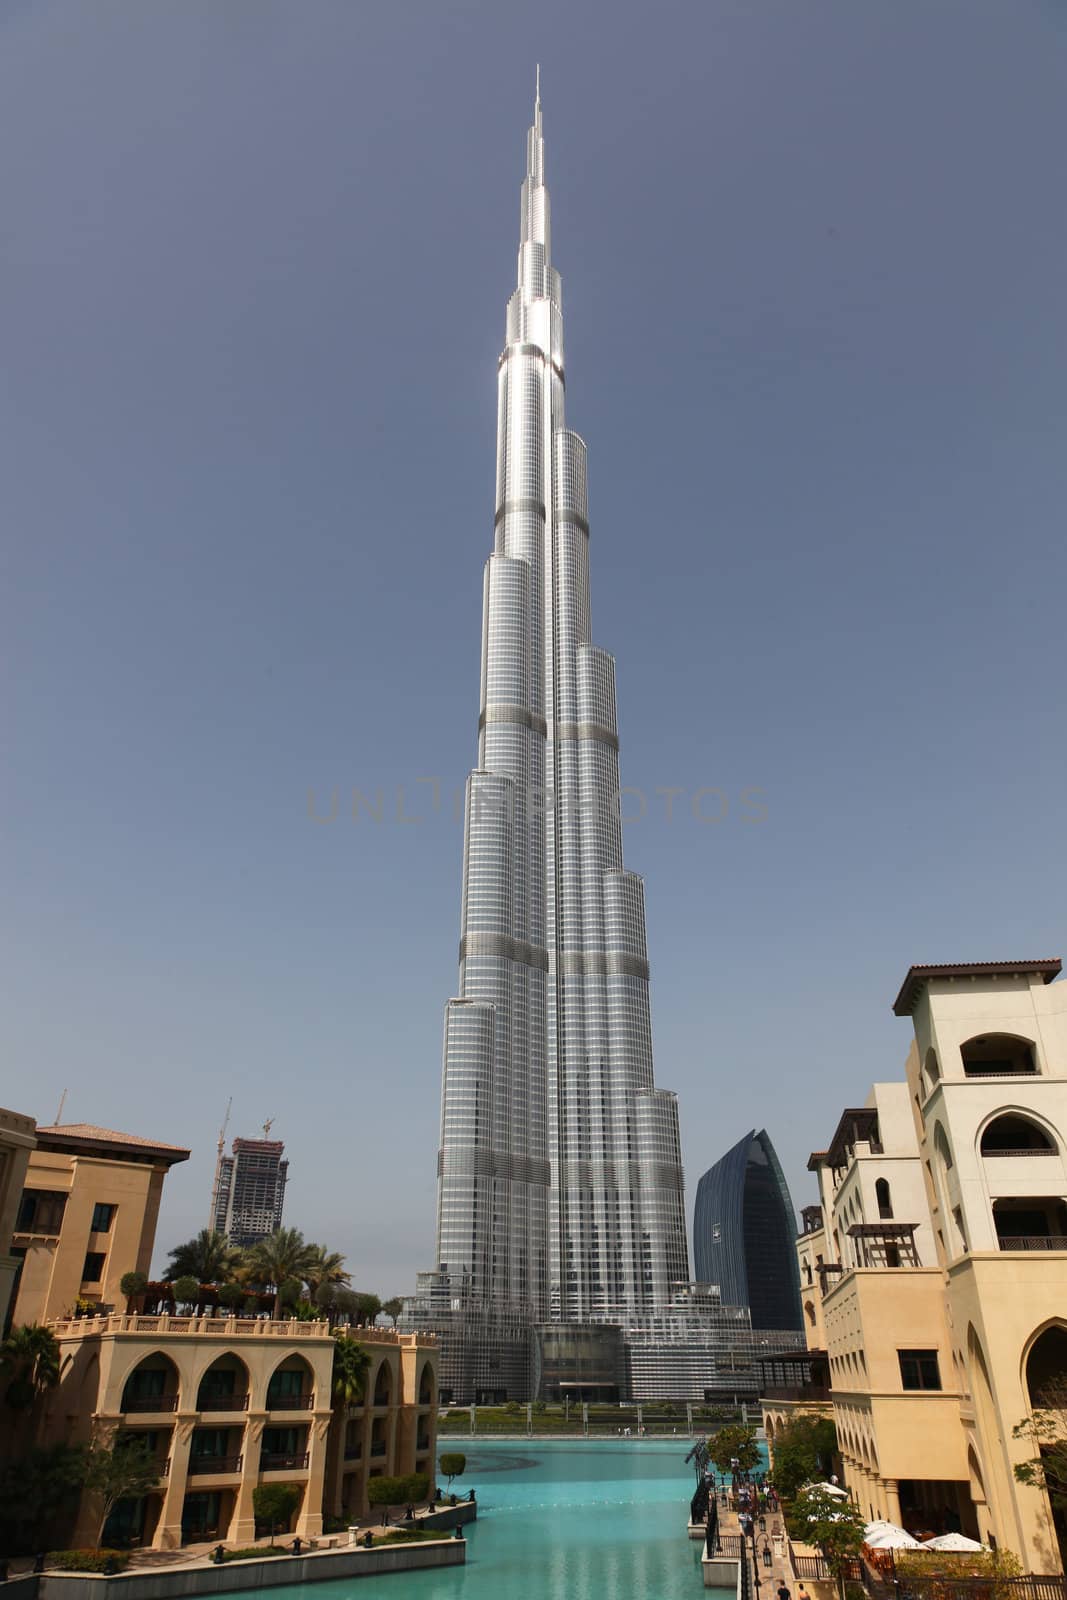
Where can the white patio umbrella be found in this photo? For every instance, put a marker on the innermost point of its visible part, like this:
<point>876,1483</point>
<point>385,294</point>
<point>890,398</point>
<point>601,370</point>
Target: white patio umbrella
<point>887,1536</point>
<point>825,1488</point>
<point>953,1541</point>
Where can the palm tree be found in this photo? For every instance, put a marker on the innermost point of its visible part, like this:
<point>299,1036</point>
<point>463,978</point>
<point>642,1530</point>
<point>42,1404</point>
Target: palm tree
<point>278,1258</point>
<point>209,1258</point>
<point>324,1266</point>
<point>29,1362</point>
<point>351,1363</point>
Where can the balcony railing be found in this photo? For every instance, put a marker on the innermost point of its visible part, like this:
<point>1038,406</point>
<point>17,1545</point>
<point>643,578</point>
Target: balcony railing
<point>353,1452</point>
<point>1033,1241</point>
<point>277,1460</point>
<point>802,1391</point>
<point>290,1402</point>
<point>150,1402</point>
<point>216,1464</point>
<point>222,1402</point>
<point>378,1449</point>
<point>1040,1150</point>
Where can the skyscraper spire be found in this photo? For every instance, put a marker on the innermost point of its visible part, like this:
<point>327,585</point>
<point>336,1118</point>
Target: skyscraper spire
<point>560,1191</point>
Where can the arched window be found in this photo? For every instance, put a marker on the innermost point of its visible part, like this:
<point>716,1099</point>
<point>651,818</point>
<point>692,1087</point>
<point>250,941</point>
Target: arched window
<point>383,1385</point>
<point>426,1386</point>
<point>998,1055</point>
<point>885,1200</point>
<point>1015,1135</point>
<point>941,1145</point>
<point>931,1070</point>
<point>1046,1369</point>
<point>809,1310</point>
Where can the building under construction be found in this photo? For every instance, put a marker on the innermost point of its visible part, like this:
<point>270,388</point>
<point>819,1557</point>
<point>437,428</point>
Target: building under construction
<point>246,1203</point>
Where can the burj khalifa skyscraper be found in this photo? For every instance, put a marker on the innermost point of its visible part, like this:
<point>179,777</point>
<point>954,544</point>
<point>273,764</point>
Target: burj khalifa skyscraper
<point>560,1185</point>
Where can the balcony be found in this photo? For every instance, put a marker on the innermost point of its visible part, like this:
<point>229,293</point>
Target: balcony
<point>278,1461</point>
<point>353,1452</point>
<point>1032,1241</point>
<point>814,1392</point>
<point>150,1402</point>
<point>223,1402</point>
<point>290,1402</point>
<point>378,1448</point>
<point>1040,1150</point>
<point>217,1465</point>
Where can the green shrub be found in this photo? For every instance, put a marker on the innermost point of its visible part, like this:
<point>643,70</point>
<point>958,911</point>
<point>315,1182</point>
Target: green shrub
<point>412,1536</point>
<point>253,1552</point>
<point>88,1560</point>
<point>274,1504</point>
<point>398,1491</point>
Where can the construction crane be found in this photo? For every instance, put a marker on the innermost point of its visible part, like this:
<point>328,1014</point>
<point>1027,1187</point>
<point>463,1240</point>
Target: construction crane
<point>218,1166</point>
<point>268,1125</point>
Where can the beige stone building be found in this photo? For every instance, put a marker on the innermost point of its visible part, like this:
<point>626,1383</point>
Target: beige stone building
<point>934,1271</point>
<point>86,1215</point>
<point>226,1403</point>
<point>16,1143</point>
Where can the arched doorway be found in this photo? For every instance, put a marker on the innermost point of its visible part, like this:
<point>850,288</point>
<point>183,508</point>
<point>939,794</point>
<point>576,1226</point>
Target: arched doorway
<point>1046,1388</point>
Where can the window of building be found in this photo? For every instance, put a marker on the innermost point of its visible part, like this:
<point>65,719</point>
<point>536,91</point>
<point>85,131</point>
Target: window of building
<point>1012,1135</point>
<point>93,1270</point>
<point>919,1369</point>
<point>103,1217</point>
<point>998,1055</point>
<point>884,1198</point>
<point>40,1211</point>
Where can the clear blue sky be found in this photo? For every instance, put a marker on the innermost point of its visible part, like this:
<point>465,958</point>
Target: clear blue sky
<point>255,261</point>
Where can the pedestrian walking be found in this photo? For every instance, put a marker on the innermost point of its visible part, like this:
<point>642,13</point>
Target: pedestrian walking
<point>782,1591</point>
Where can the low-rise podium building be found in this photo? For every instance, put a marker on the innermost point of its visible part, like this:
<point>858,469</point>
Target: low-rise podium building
<point>226,1403</point>
<point>934,1271</point>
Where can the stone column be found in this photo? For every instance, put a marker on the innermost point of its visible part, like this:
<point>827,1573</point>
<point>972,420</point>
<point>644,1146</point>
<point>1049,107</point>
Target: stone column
<point>169,1527</point>
<point>243,1521</point>
<point>309,1522</point>
<point>892,1499</point>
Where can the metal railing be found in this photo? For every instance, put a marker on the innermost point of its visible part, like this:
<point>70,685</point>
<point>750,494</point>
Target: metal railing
<point>1032,1241</point>
<point>1040,1150</point>
<point>1034,1586</point>
<point>150,1402</point>
<point>276,1460</point>
<point>205,1464</point>
<point>290,1402</point>
<point>222,1402</point>
<point>799,1391</point>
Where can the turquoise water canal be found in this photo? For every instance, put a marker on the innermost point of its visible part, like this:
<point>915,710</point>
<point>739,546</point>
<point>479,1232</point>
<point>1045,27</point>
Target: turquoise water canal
<point>597,1519</point>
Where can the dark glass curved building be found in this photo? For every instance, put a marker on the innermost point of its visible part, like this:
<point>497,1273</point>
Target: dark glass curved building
<point>744,1230</point>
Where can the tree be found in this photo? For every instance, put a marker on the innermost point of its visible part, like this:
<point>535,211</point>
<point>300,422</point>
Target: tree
<point>324,1297</point>
<point>393,1307</point>
<point>29,1365</point>
<point>186,1291</point>
<point>123,1471</point>
<point>346,1304</point>
<point>453,1465</point>
<point>209,1258</point>
<point>835,1526</point>
<point>280,1256</point>
<point>132,1284</point>
<point>1046,1431</point>
<point>324,1267</point>
<point>231,1295</point>
<point>367,1308</point>
<point>398,1491</point>
<point>33,1490</point>
<point>275,1502</point>
<point>803,1451</point>
<point>351,1364</point>
<point>290,1292</point>
<point>734,1444</point>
